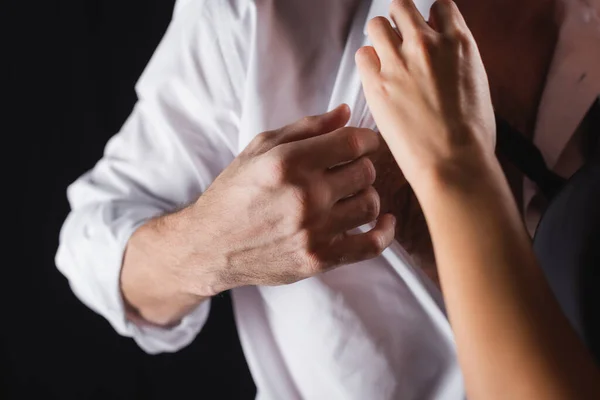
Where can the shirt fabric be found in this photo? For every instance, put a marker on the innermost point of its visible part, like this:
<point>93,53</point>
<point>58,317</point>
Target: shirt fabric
<point>224,72</point>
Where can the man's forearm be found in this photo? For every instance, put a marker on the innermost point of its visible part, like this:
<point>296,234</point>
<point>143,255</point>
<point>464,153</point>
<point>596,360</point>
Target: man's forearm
<point>155,280</point>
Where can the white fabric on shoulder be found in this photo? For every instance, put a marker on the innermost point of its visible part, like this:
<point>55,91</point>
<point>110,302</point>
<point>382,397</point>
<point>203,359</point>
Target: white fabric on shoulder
<point>181,134</point>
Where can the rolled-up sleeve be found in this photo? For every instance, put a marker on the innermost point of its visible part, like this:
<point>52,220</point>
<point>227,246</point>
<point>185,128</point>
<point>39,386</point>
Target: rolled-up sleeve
<point>181,134</point>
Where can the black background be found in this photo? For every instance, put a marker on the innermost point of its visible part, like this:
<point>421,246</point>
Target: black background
<point>72,66</point>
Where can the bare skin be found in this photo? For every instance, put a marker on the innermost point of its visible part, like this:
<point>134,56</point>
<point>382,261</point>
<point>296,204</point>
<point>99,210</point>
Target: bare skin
<point>429,94</point>
<point>279,213</point>
<point>516,39</point>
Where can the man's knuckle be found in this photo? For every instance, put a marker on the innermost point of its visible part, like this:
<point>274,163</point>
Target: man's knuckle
<point>301,197</point>
<point>376,243</point>
<point>319,195</point>
<point>371,204</point>
<point>313,263</point>
<point>304,239</point>
<point>355,143</point>
<point>362,173</point>
<point>277,167</point>
<point>343,259</point>
<point>307,120</point>
<point>263,139</point>
<point>369,171</point>
<point>311,123</point>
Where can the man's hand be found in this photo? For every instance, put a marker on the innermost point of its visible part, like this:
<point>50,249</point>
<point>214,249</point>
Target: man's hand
<point>281,210</point>
<point>278,214</point>
<point>427,88</point>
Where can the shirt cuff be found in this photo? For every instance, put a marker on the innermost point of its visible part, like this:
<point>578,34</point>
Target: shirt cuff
<point>90,256</point>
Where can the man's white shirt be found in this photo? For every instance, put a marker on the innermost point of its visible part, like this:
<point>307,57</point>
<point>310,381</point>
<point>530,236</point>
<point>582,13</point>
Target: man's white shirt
<point>224,72</point>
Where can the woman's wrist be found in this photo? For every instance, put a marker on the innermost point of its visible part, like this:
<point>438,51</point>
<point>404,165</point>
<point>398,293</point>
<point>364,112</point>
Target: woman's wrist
<point>466,174</point>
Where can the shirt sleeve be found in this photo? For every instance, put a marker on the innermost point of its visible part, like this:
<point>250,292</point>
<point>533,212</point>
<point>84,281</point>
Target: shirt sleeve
<point>182,133</point>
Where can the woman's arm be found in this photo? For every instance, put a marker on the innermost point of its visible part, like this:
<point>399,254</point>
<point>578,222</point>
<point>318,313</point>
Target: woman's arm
<point>428,92</point>
<point>513,341</point>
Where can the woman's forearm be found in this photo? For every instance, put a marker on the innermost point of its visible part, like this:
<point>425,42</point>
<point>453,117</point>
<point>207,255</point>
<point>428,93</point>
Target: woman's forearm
<point>513,340</point>
<point>427,89</point>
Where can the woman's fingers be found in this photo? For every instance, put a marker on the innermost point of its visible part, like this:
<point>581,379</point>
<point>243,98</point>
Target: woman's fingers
<point>385,39</point>
<point>445,18</point>
<point>407,18</point>
<point>367,61</point>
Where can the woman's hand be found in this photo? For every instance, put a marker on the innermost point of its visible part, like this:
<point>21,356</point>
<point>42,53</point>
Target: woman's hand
<point>427,89</point>
<point>429,95</point>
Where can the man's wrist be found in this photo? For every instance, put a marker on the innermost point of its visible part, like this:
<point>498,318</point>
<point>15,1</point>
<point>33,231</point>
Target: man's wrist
<point>191,258</point>
<point>160,281</point>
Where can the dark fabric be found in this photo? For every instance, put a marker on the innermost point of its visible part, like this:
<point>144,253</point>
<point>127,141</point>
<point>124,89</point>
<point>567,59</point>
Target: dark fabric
<point>527,158</point>
<point>567,244</point>
<point>591,142</point>
<point>567,241</point>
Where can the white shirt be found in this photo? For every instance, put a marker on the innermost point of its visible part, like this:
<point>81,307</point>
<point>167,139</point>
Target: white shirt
<point>224,72</point>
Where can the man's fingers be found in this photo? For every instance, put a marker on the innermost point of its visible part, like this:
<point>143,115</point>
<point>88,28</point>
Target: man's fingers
<point>364,246</point>
<point>385,39</point>
<point>305,128</point>
<point>313,126</point>
<point>445,18</point>
<point>355,211</point>
<point>350,178</point>
<point>407,18</point>
<point>341,146</point>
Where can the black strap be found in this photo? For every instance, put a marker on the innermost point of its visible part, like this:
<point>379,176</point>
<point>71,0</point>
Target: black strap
<point>591,142</point>
<point>527,158</point>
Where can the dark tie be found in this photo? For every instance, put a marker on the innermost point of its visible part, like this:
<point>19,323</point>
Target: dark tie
<point>591,142</point>
<point>528,158</point>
